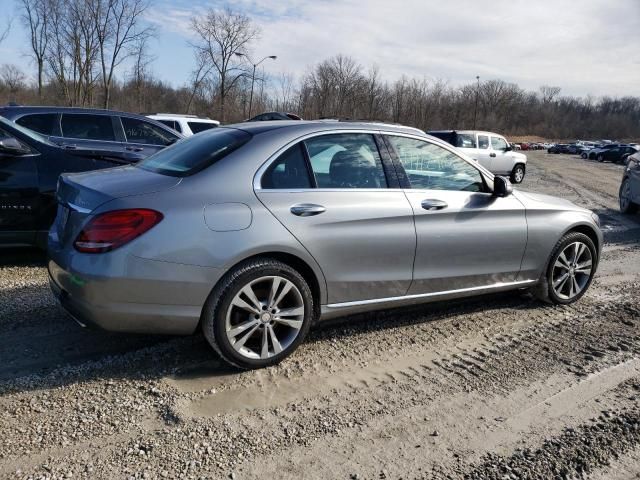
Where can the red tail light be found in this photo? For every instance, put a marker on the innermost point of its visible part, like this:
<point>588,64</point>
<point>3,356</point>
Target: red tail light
<point>111,230</point>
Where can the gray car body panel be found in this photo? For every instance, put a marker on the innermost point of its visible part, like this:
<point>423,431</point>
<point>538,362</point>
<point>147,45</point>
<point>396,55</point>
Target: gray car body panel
<point>372,248</point>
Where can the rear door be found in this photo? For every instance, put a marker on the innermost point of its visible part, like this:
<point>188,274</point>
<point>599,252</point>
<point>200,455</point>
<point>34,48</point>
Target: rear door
<point>335,195</point>
<point>483,154</point>
<point>466,237</point>
<point>19,194</point>
<point>87,131</point>
<point>144,138</point>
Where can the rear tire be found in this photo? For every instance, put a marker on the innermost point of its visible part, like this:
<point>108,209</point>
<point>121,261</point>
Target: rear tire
<point>569,271</point>
<point>600,158</point>
<point>624,197</point>
<point>244,318</point>
<point>517,174</point>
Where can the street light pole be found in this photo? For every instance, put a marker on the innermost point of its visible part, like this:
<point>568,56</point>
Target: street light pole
<point>253,75</point>
<point>475,112</point>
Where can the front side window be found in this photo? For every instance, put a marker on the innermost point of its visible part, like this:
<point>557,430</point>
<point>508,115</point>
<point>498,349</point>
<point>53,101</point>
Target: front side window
<point>87,127</point>
<point>139,131</point>
<point>197,127</point>
<point>288,171</point>
<point>483,141</point>
<point>465,140</point>
<point>431,167</point>
<point>346,160</point>
<point>38,122</point>
<point>498,143</point>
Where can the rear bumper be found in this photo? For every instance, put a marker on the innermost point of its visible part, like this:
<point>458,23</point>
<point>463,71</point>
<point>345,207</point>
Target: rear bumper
<point>153,297</point>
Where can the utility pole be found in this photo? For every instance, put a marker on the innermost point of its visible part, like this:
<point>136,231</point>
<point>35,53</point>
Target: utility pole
<point>475,112</point>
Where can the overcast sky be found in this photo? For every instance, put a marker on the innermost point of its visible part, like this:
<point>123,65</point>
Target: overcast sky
<point>585,46</point>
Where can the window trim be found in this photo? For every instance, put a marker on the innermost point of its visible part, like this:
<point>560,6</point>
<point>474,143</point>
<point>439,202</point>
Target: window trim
<point>257,178</point>
<point>486,175</point>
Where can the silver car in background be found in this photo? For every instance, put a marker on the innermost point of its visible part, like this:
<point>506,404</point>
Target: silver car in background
<point>254,232</point>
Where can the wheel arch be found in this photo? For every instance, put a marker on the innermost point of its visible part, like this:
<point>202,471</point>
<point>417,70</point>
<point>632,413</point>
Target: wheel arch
<point>590,232</point>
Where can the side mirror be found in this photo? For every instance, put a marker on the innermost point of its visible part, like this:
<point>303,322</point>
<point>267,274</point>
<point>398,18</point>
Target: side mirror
<point>502,187</point>
<point>13,146</point>
<point>508,148</point>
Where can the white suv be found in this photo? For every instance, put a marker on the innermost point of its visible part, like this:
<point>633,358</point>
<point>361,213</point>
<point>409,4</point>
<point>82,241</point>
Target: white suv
<point>489,149</point>
<point>187,125</point>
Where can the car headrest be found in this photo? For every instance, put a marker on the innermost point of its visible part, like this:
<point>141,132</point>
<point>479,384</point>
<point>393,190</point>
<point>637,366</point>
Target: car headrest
<point>349,169</point>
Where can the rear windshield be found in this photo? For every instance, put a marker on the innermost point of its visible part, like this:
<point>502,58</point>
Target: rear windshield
<point>193,154</point>
<point>197,127</point>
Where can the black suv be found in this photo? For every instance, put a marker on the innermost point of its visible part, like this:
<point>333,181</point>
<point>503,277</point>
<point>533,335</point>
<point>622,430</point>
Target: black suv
<point>29,169</point>
<point>135,136</point>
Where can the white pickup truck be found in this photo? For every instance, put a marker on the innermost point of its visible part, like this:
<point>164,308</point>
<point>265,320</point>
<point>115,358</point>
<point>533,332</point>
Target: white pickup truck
<point>489,149</point>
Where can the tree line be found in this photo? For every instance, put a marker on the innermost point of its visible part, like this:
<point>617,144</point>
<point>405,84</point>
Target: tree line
<point>95,53</point>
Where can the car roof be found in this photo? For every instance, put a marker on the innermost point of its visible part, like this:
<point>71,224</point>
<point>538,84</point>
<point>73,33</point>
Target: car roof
<point>170,116</point>
<point>482,132</point>
<point>20,110</point>
<point>307,126</point>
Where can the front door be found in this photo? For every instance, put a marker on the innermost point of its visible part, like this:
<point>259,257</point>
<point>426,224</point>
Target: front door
<point>484,155</point>
<point>502,160</point>
<point>467,238</point>
<point>331,192</point>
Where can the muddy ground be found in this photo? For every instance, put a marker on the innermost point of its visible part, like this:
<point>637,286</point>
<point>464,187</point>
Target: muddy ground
<point>497,387</point>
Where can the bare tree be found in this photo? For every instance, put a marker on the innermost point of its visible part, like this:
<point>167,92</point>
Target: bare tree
<point>198,76</point>
<point>549,93</point>
<point>140,70</point>
<point>13,78</point>
<point>35,16</point>
<point>4,33</point>
<point>221,35</point>
<point>119,29</point>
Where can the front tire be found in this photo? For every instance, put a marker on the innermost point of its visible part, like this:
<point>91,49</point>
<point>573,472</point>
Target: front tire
<point>626,205</point>
<point>570,270</point>
<point>600,158</point>
<point>517,174</point>
<point>258,314</point>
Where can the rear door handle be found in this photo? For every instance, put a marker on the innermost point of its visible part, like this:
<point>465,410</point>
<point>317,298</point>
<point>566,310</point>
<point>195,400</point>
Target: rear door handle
<point>492,154</point>
<point>307,209</point>
<point>432,204</point>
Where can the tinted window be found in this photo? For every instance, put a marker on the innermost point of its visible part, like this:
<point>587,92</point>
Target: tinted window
<point>197,127</point>
<point>498,143</point>
<point>432,167</point>
<point>41,122</point>
<point>288,171</point>
<point>346,160</point>
<point>483,141</point>
<point>171,124</point>
<point>87,127</point>
<point>139,131</point>
<point>194,154</point>
<point>465,140</point>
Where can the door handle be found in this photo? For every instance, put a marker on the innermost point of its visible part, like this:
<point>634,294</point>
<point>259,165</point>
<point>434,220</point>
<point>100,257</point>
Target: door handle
<point>492,154</point>
<point>307,209</point>
<point>69,146</point>
<point>134,149</point>
<point>432,204</point>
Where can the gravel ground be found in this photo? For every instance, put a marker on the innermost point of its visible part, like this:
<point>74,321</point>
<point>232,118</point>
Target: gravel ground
<point>497,387</point>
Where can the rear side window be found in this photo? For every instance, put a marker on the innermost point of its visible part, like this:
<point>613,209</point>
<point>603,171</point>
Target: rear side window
<point>288,171</point>
<point>465,140</point>
<point>187,157</point>
<point>87,127</point>
<point>197,127</point>
<point>39,122</point>
<point>139,131</point>
<point>346,160</point>
<point>483,141</point>
<point>171,124</point>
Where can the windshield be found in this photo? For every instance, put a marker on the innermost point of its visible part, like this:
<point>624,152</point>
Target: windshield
<point>193,154</point>
<point>25,131</point>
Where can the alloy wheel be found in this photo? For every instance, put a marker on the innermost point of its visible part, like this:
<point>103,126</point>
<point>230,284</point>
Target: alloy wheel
<point>572,270</point>
<point>518,175</point>
<point>265,317</point>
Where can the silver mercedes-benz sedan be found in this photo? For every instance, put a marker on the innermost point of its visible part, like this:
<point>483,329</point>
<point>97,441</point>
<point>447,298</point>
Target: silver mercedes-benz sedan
<point>254,232</point>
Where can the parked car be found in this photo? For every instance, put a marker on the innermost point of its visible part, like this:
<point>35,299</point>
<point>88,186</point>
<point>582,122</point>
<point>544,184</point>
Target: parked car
<point>616,154</point>
<point>593,153</point>
<point>268,116</point>
<point>254,232</point>
<point>29,169</point>
<point>559,148</point>
<point>187,125</point>
<point>135,136</point>
<point>630,186</point>
<point>490,150</point>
